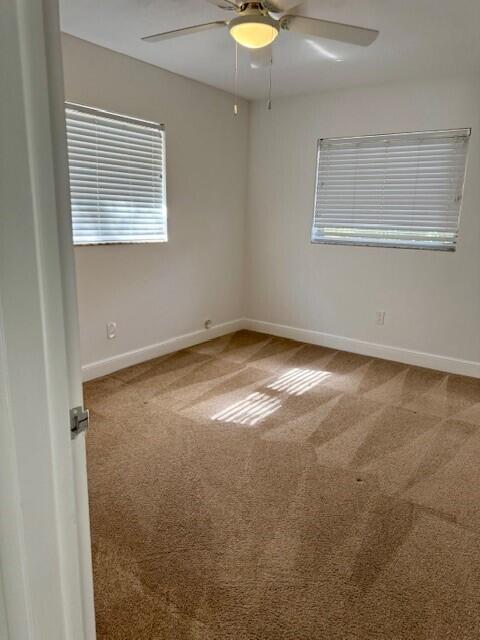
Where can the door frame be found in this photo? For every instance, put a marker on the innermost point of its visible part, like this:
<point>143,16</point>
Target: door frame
<point>45,565</point>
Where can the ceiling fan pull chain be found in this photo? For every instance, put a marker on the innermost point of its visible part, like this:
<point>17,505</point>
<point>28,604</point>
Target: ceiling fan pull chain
<point>269,102</point>
<point>235,104</point>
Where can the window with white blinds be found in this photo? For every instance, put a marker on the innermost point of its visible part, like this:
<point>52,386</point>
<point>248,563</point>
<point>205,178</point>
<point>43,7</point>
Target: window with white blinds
<point>117,178</point>
<point>400,190</point>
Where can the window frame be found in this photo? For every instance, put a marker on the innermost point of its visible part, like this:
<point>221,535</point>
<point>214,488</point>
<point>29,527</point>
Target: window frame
<point>466,132</point>
<point>161,127</point>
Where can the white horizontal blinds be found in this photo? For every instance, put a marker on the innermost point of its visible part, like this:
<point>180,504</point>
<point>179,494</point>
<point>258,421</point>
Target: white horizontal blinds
<point>117,178</point>
<point>401,190</point>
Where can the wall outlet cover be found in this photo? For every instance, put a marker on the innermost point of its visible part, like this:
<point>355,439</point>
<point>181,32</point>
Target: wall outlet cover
<point>380,318</point>
<point>111,330</point>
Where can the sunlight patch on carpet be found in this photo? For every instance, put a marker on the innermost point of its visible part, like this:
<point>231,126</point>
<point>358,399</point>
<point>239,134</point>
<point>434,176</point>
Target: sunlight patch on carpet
<point>296,382</point>
<point>249,411</point>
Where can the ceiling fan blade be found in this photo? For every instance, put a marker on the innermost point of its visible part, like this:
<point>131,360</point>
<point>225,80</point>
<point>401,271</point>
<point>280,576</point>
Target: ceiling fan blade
<point>158,37</point>
<point>330,30</point>
<point>225,4</point>
<point>260,58</point>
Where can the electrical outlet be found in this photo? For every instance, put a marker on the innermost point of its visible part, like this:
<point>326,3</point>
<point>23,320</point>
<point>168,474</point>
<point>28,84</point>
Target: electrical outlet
<point>111,330</point>
<point>380,318</point>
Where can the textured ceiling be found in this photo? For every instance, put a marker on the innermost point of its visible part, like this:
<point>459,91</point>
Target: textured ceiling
<point>417,38</point>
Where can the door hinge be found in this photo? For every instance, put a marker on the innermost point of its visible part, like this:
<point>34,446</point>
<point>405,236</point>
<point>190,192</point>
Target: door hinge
<point>79,420</point>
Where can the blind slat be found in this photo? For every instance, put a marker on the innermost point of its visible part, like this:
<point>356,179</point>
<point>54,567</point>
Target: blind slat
<point>400,190</point>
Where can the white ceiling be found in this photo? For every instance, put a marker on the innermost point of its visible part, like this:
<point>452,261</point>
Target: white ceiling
<point>417,38</point>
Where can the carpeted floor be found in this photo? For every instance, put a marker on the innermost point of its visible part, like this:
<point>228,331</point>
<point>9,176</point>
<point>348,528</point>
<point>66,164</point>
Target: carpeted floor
<point>258,488</point>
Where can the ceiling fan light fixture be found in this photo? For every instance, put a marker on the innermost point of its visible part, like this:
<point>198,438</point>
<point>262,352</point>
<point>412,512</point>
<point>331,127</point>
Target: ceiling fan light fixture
<point>254,32</point>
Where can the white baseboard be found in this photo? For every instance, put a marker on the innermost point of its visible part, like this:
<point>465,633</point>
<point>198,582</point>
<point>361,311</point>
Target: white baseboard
<point>397,354</point>
<point>407,356</point>
<point>115,363</point>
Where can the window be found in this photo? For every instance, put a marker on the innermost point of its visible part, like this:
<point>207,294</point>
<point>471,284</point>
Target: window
<point>400,190</point>
<point>117,178</point>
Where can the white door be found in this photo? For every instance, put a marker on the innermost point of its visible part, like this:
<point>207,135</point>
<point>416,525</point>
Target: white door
<point>45,569</point>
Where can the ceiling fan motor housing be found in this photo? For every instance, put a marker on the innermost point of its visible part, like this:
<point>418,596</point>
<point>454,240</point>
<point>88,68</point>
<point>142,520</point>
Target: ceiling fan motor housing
<point>253,8</point>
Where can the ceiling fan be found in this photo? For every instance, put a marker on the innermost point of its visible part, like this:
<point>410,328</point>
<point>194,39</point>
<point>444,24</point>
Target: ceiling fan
<point>258,24</point>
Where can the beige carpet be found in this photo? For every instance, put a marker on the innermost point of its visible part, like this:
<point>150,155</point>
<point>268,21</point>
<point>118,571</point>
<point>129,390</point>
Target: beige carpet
<point>258,488</point>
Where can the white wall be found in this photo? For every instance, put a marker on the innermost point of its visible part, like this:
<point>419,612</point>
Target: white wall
<point>158,292</point>
<point>431,299</point>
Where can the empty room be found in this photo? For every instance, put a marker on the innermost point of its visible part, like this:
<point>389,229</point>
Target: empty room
<point>240,320</point>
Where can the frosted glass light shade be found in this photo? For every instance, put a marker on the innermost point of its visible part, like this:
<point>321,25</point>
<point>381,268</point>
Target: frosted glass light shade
<point>253,32</point>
